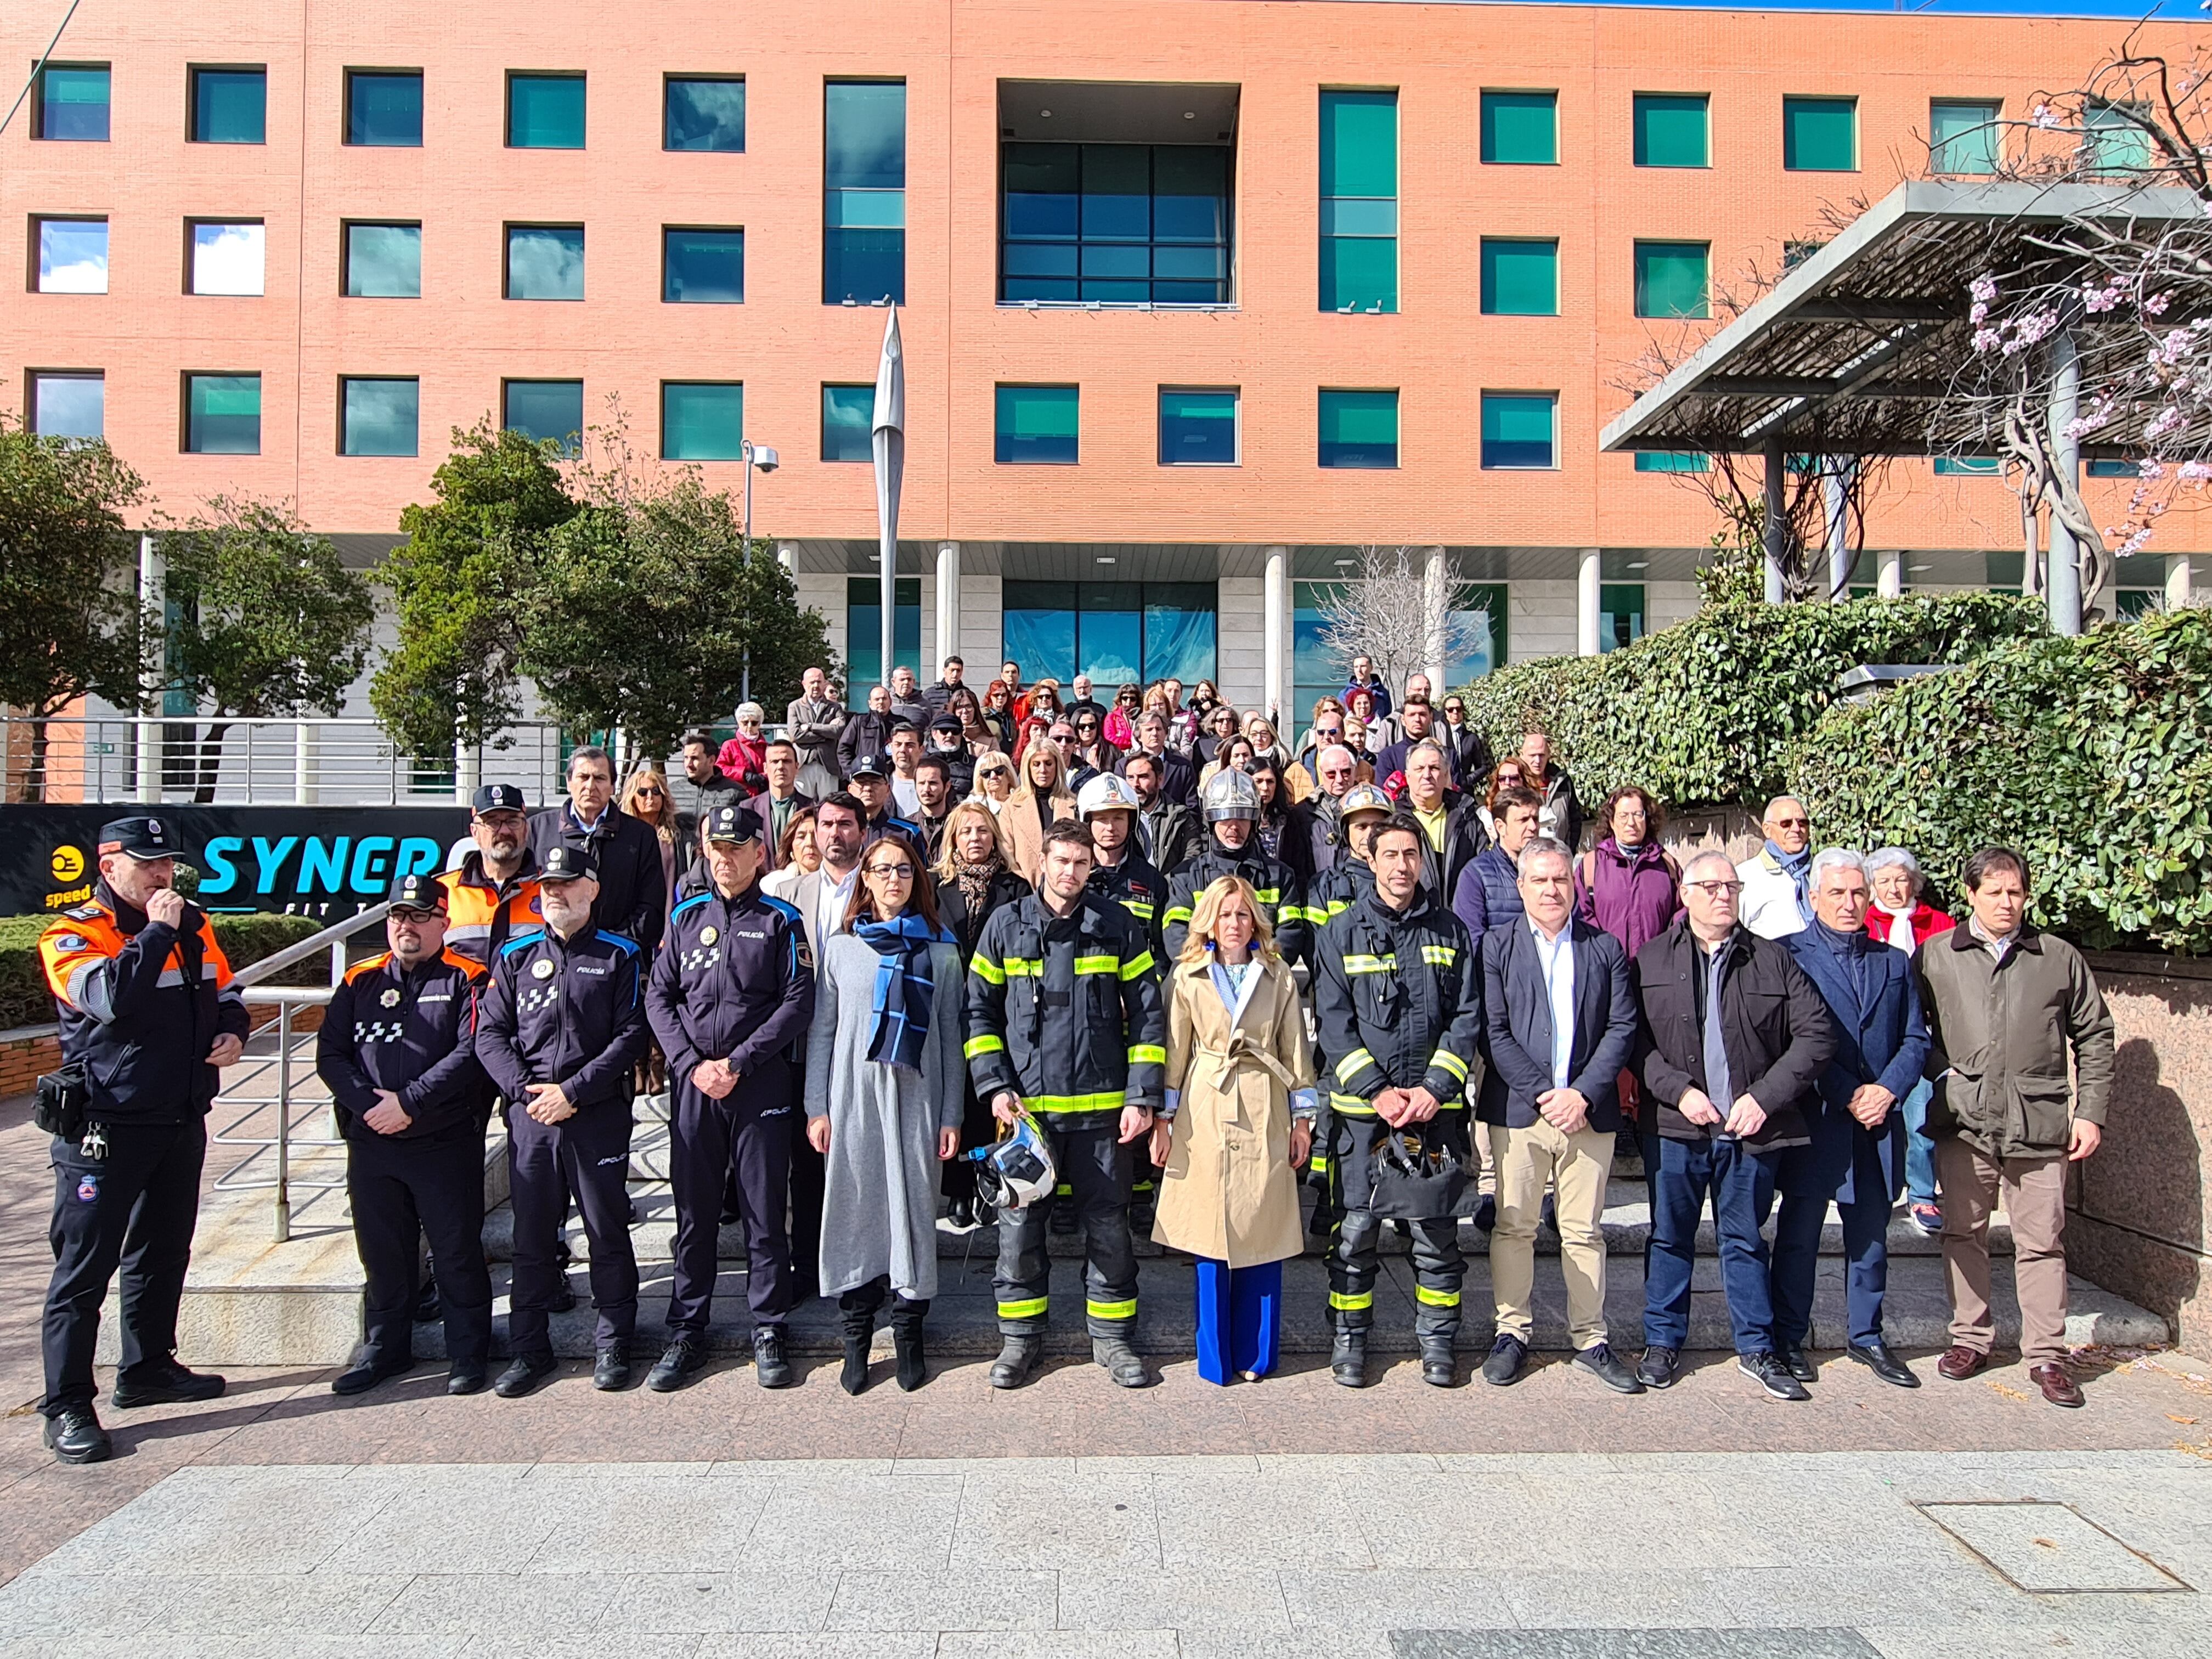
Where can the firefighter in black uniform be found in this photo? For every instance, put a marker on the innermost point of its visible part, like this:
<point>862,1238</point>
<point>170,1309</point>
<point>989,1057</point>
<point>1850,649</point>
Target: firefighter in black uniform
<point>1364,810</point>
<point>1065,1018</point>
<point>1120,874</point>
<point>731,993</point>
<point>398,1052</point>
<point>559,1027</point>
<point>1397,994</point>
<point>148,1015</point>
<point>1231,802</point>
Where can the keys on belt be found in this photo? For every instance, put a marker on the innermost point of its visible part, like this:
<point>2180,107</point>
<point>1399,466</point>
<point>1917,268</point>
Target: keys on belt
<point>96,1143</point>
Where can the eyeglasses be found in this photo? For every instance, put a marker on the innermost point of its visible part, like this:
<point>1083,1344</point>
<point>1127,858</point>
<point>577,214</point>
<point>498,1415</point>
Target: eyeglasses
<point>398,914</point>
<point>892,871</point>
<point>645,791</point>
<point>1792,824</point>
<point>1716,889</point>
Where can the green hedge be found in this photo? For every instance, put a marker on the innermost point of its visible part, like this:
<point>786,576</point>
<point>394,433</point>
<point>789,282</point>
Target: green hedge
<point>1706,711</point>
<point>2092,756</point>
<point>24,999</point>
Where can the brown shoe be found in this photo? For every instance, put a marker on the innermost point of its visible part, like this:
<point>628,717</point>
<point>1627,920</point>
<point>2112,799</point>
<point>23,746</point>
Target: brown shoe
<point>1957,1363</point>
<point>2057,1384</point>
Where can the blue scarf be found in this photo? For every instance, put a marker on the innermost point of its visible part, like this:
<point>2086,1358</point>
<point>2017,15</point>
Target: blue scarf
<point>1798,866</point>
<point>905,986</point>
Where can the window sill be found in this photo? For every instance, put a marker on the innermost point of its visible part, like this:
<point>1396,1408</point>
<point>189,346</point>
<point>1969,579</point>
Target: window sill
<point>1115,305</point>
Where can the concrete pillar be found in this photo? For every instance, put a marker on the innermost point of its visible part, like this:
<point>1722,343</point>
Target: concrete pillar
<point>1889,578</point>
<point>1778,523</point>
<point>1275,656</point>
<point>1436,589</point>
<point>948,607</point>
<point>1835,482</point>
<point>2065,558</point>
<point>148,733</point>
<point>2178,573</point>
<point>786,555</point>
<point>1588,571</point>
<point>305,785</point>
<point>468,773</point>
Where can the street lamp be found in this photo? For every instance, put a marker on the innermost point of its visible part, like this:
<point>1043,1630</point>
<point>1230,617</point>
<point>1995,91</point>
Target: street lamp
<point>762,457</point>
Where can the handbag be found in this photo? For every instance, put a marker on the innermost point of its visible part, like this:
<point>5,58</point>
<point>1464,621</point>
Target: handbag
<point>1416,1177</point>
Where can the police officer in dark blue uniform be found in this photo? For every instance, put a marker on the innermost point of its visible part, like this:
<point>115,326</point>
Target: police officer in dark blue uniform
<point>559,1027</point>
<point>871,784</point>
<point>397,1050</point>
<point>731,993</point>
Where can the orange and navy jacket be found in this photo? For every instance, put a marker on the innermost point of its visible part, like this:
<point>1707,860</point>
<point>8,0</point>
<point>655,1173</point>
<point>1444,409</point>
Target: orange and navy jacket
<point>481,916</point>
<point>413,1033</point>
<point>141,1003</point>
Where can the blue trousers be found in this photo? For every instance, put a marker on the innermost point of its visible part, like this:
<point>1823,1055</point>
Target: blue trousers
<point>1797,1263</point>
<point>1919,1150</point>
<point>1742,1184</point>
<point>1240,1319</point>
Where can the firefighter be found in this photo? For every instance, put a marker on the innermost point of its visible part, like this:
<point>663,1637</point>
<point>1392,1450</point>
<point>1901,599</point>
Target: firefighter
<point>1364,810</point>
<point>1232,804</point>
<point>1064,1021</point>
<point>1396,994</point>
<point>1121,872</point>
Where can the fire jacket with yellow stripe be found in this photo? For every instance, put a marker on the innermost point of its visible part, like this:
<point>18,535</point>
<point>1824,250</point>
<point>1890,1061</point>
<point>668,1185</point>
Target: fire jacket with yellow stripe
<point>1282,895</point>
<point>1398,1001</point>
<point>1066,1011</point>
<point>141,1003</point>
<point>1139,888</point>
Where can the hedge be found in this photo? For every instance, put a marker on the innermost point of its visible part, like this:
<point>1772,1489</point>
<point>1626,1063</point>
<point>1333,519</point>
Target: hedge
<point>2092,756</point>
<point>1707,711</point>
<point>24,999</point>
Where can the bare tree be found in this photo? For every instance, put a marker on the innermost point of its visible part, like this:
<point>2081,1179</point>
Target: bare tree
<point>1388,610</point>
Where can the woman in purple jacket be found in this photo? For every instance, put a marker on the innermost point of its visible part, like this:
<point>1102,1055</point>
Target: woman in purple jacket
<point>1630,886</point>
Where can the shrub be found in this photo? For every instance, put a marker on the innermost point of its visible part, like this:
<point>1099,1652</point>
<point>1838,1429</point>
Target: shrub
<point>24,999</point>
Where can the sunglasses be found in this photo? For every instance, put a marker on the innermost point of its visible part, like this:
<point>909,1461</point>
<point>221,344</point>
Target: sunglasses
<point>644,790</point>
<point>1792,823</point>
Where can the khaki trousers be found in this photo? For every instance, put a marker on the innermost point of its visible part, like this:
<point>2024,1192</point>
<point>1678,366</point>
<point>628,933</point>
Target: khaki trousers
<point>2034,1193</point>
<point>1577,1164</point>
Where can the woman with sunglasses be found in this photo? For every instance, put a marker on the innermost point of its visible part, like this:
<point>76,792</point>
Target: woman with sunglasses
<point>645,798</point>
<point>885,1089</point>
<point>1121,726</point>
<point>1041,800</point>
<point>744,759</point>
<point>994,781</point>
<point>997,715</point>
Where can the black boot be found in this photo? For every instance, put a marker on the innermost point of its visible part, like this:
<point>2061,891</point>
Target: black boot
<point>1121,1361</point>
<point>859,1330</point>
<point>1439,1365</point>
<point>1016,1361</point>
<point>906,1341</point>
<point>1347,1359</point>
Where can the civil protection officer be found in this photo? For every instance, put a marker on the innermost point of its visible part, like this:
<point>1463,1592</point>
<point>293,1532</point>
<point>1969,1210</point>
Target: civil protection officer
<point>397,1051</point>
<point>1397,994</point>
<point>493,896</point>
<point>558,1029</point>
<point>1065,1018</point>
<point>731,992</point>
<point>148,1015</point>
<point>1232,804</point>
<point>1120,872</point>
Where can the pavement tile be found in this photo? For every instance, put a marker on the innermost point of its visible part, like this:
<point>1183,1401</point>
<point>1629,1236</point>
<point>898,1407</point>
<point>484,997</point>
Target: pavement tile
<point>1175,1599</point>
<point>983,1600</point>
<point>1059,1645</point>
<point>623,1522</point>
<point>865,1522</point>
<point>514,1604</point>
<point>709,1602</point>
<point>1090,1522</point>
<point>1394,1599</point>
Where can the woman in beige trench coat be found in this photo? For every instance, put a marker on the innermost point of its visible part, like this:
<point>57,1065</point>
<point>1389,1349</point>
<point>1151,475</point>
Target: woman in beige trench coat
<point>1239,1120</point>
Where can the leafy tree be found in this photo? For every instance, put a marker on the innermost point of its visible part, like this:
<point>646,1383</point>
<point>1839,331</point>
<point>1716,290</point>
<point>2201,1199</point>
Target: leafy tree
<point>268,623</point>
<point>69,622</point>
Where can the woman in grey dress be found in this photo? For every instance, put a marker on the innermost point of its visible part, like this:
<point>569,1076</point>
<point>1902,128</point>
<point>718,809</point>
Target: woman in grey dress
<point>884,1091</point>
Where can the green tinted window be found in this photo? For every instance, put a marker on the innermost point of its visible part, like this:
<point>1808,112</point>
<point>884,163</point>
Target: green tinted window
<point>1821,134</point>
<point>72,105</point>
<point>1035,425</point>
<point>1520,278</point>
<point>545,112</point>
<point>701,421</point>
<point>1620,615</point>
<point>384,261</point>
<point>1670,130</point>
<point>1518,429</point>
<point>1671,460</point>
<point>1359,201</point>
<point>222,414</point>
<point>1948,466</point>
<point>543,410</point>
<point>703,114</point>
<point>2119,144</point>
<point>848,416</point>
<point>230,106</point>
<point>1198,429</point>
<point>1962,137</point>
<point>1359,429</point>
<point>1521,129</point>
<point>1670,279</point>
<point>378,416</point>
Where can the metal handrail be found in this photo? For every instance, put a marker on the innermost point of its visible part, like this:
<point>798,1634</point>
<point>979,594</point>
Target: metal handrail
<point>333,938</point>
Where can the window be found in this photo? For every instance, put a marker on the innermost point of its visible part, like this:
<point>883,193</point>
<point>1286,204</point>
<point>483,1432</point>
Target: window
<point>72,104</point>
<point>72,256</point>
<point>703,112</point>
<point>1359,429</point>
<point>1035,425</point>
<point>1317,674</point>
<point>1670,279</point>
<point>1113,631</point>
<point>1821,134</point>
<point>1129,223</point>
<point>2114,469</point>
<point>864,186</point>
<point>1519,428</point>
<point>384,261</point>
<point>702,267</point>
<point>848,420</point>
<point>701,421</point>
<point>1198,429</point>
<point>1673,460</point>
<point>229,106</point>
<point>543,409</point>
<point>222,414</point>
<point>545,262</point>
<point>1359,201</point>
<point>1620,615</point>
<point>545,112</point>
<point>1962,137</point>
<point>864,631</point>
<point>1520,278</point>
<point>1521,129</point>
<point>69,404</point>
<point>1954,465</point>
<point>1671,129</point>
<point>2115,138</point>
<point>384,107</point>
<point>378,415</point>
<point>227,257</point>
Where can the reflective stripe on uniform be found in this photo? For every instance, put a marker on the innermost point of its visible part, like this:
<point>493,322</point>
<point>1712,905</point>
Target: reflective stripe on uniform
<point>1320,1162</point>
<point>1138,908</point>
<point>1422,1294</point>
<point>1141,964</point>
<point>1111,1309</point>
<point>1355,964</point>
<point>1092,965</point>
<point>1111,1101</point>
<point>1352,1063</point>
<point>1178,912</point>
<point>1030,1308</point>
<point>1021,967</point>
<point>985,970</point>
<point>1350,1105</point>
<point>1345,1302</point>
<point>1440,956</point>
<point>1451,1062</point>
<point>1142,1052</point>
<point>986,1044</point>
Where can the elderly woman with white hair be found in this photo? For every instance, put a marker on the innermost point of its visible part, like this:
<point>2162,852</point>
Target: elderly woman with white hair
<point>744,758</point>
<point>1900,916</point>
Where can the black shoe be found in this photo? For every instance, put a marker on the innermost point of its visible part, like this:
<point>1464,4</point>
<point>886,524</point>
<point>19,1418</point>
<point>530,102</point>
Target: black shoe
<point>1440,1364</point>
<point>1659,1367</point>
<point>466,1378</point>
<point>523,1374</point>
<point>681,1361</point>
<point>770,1369</point>
<point>1599,1361</point>
<point>1509,1356</point>
<point>1016,1361</point>
<point>1876,1357</point>
<point>1793,1361</point>
<point>1121,1361</point>
<point>1486,1214</point>
<point>852,1376</point>
<point>1347,1359</point>
<point>611,1370</point>
<point>73,1435</point>
<point>164,1383</point>
<point>1771,1375</point>
<point>427,1309</point>
<point>960,1212</point>
<point>563,1297</point>
<point>368,1371</point>
<point>906,1343</point>
<point>1548,1221</point>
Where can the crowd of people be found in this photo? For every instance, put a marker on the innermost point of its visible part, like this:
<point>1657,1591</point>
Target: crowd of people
<point>963,957</point>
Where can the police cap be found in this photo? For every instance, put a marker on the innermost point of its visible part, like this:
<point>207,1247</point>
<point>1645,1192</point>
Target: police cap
<point>142,838</point>
<point>871,766</point>
<point>566,863</point>
<point>735,826</point>
<point>417,891</point>
<point>498,797</point>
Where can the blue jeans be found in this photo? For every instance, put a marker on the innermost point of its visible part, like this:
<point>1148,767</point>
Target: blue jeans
<point>1919,1150</point>
<point>1797,1266</point>
<point>1741,1183</point>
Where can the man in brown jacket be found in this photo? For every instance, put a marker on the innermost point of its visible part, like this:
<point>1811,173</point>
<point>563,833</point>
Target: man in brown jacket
<point>2004,1003</point>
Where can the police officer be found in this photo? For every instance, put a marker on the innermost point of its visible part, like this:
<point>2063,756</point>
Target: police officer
<point>1396,992</point>
<point>1120,872</point>
<point>558,1028</point>
<point>731,993</point>
<point>871,784</point>
<point>148,1015</point>
<point>1364,810</point>
<point>397,1050</point>
<point>1064,1018</point>
<point>493,896</point>
<point>1231,804</point>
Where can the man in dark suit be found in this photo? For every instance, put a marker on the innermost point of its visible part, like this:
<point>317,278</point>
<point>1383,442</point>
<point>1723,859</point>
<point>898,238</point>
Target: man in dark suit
<point>1178,777</point>
<point>1164,826</point>
<point>1559,1016</point>
<point>1856,1156</point>
<point>632,895</point>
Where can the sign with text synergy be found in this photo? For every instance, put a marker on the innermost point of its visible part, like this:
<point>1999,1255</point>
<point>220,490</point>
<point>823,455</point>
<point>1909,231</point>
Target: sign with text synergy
<point>315,861</point>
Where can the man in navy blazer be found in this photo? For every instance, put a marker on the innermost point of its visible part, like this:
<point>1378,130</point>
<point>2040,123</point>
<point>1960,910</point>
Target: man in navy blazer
<point>1560,1024</point>
<point>1857,1154</point>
